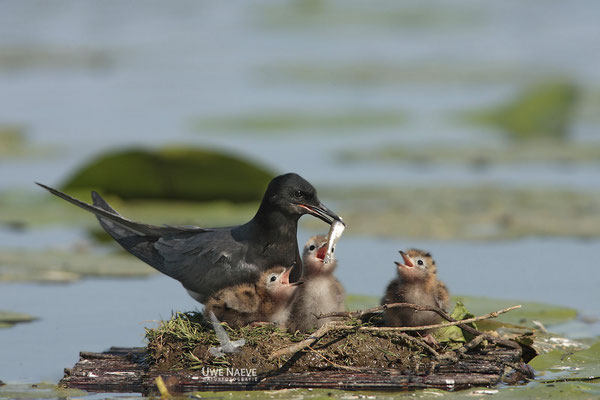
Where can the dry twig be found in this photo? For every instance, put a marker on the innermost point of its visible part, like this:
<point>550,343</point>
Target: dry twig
<point>339,326</point>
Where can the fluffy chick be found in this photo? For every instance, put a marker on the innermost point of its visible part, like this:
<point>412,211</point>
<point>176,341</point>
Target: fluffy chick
<point>416,283</point>
<point>267,300</point>
<point>321,292</point>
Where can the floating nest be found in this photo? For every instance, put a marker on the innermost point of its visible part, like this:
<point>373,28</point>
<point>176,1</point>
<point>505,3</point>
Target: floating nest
<point>354,353</point>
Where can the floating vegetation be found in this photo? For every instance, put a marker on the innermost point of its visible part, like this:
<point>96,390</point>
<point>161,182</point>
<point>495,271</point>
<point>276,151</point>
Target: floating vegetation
<point>19,58</point>
<point>14,144</point>
<point>326,14</point>
<point>9,318</point>
<point>569,366</point>
<point>293,121</point>
<point>60,266</point>
<point>424,212</point>
<point>542,111</point>
<point>12,138</point>
<point>389,72</point>
<point>22,210</point>
<point>38,391</point>
<point>479,157</point>
<point>468,212</point>
<point>173,173</point>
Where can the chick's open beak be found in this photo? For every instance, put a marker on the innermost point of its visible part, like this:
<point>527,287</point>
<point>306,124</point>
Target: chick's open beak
<point>322,251</point>
<point>285,277</point>
<point>407,262</point>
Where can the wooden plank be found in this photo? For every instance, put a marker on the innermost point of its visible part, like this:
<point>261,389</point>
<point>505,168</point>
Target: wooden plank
<point>126,370</point>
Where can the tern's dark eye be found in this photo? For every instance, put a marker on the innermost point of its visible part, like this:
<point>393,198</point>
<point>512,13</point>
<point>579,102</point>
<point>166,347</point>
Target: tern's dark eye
<point>299,193</point>
<point>312,247</point>
<point>273,278</point>
<point>420,262</point>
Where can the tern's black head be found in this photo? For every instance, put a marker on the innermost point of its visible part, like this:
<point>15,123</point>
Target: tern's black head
<point>294,196</point>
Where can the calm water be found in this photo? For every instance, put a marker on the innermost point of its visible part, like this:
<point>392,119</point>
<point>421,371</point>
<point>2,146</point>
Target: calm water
<point>98,75</point>
<point>95,314</point>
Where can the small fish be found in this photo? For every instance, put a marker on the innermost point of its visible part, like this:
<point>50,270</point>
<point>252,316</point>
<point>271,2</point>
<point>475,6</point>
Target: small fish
<point>227,345</point>
<point>335,232</point>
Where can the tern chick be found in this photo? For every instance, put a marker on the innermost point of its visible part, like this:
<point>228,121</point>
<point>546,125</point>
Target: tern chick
<point>266,300</point>
<point>416,283</point>
<point>321,292</point>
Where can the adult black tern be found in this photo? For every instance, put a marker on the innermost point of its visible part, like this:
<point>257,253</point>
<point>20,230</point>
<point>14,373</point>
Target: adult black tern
<point>206,260</point>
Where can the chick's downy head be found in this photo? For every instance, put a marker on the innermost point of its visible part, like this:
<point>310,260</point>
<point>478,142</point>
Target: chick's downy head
<point>276,282</point>
<point>416,265</point>
<point>314,254</point>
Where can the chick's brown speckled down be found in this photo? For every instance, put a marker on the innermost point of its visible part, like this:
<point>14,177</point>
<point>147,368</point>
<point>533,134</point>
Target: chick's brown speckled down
<point>320,293</point>
<point>416,283</point>
<point>267,300</point>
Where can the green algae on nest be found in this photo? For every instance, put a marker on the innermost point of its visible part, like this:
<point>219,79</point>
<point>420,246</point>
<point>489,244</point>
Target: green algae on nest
<point>172,173</point>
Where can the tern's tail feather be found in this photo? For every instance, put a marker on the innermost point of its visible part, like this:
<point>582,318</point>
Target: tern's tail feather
<point>137,238</point>
<point>102,209</point>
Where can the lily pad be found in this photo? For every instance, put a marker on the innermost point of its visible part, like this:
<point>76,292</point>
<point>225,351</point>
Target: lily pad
<point>9,318</point>
<point>67,266</point>
<point>560,365</point>
<point>293,121</point>
<point>530,311</point>
<point>173,173</point>
<point>543,111</point>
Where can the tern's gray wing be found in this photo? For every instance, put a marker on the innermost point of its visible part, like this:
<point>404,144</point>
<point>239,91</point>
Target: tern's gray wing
<point>203,260</point>
<point>206,262</point>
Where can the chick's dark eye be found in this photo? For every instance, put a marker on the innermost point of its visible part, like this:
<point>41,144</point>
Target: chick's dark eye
<point>312,247</point>
<point>273,278</point>
<point>420,262</point>
<point>298,193</point>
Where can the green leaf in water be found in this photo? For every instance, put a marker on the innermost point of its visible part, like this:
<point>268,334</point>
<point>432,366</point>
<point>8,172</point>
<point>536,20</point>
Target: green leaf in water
<point>530,311</point>
<point>173,173</point>
<point>542,111</point>
<point>9,318</point>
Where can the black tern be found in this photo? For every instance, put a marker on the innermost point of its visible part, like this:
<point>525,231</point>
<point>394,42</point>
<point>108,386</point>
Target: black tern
<point>206,260</point>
